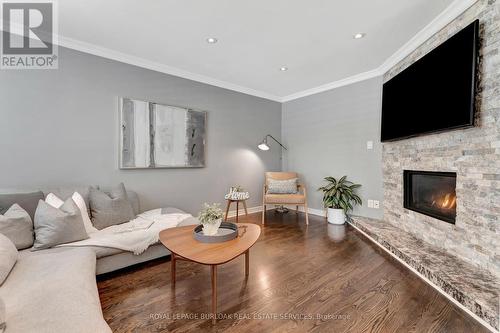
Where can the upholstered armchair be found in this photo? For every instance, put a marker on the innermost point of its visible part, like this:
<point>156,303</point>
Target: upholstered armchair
<point>297,199</point>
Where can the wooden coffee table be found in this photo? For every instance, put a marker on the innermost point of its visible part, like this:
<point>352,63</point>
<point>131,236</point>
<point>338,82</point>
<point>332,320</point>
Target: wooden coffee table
<point>183,246</point>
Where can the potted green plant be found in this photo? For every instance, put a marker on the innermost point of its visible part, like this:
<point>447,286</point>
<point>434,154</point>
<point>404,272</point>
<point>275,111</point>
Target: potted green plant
<point>211,218</point>
<point>339,197</point>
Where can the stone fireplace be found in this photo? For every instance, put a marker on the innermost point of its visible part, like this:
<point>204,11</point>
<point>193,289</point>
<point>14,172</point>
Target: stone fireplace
<point>472,154</point>
<point>431,193</point>
<point>461,257</point>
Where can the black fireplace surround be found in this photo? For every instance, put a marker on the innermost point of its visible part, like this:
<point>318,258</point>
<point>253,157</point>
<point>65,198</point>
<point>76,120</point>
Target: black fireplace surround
<point>431,193</point>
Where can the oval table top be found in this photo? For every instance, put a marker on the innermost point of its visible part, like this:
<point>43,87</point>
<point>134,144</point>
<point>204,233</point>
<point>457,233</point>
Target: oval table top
<point>180,241</point>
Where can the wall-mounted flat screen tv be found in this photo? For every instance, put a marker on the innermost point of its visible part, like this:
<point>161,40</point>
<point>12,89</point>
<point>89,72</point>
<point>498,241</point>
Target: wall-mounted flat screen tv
<point>436,93</point>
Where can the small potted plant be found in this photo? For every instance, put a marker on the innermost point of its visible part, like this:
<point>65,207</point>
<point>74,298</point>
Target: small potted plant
<point>211,218</point>
<point>339,196</point>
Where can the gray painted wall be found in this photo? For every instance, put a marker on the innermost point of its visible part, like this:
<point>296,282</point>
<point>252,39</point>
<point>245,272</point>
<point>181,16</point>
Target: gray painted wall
<point>60,128</point>
<point>326,135</point>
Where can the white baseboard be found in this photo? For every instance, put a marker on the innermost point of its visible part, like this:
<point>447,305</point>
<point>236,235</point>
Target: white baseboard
<point>241,212</point>
<point>312,211</point>
<point>454,301</point>
<point>258,209</point>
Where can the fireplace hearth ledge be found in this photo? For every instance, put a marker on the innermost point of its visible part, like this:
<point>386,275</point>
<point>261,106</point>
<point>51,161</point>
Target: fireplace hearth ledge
<point>476,289</point>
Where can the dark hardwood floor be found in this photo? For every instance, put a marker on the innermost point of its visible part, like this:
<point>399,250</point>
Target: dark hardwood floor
<point>318,278</point>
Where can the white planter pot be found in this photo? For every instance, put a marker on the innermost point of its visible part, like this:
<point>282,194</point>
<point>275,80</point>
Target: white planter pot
<point>336,216</point>
<point>210,229</point>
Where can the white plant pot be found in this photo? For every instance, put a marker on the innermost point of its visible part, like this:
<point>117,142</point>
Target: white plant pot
<point>210,229</point>
<point>336,216</point>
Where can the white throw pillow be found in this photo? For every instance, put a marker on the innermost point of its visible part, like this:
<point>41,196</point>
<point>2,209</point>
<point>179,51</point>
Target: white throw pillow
<point>56,202</point>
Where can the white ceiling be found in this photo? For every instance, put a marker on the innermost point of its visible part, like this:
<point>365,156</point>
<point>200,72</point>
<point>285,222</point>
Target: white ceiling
<point>313,38</point>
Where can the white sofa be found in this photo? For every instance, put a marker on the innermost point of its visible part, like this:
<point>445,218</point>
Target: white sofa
<point>55,290</point>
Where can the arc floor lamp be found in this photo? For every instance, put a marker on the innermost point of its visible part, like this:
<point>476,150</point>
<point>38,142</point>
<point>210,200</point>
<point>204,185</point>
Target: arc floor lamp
<point>264,146</point>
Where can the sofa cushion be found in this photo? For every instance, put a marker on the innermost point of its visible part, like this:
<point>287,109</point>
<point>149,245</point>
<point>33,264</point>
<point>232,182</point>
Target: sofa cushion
<point>54,226</point>
<point>28,201</point>
<point>53,291</point>
<point>108,210</point>
<point>8,257</point>
<point>288,186</point>
<point>17,225</point>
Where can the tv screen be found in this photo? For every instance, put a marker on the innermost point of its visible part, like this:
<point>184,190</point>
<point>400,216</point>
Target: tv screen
<point>435,93</point>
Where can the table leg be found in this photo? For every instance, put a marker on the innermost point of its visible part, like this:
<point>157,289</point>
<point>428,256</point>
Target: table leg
<point>214,293</point>
<point>245,205</point>
<point>227,209</point>
<point>172,267</point>
<point>237,210</point>
<point>247,262</point>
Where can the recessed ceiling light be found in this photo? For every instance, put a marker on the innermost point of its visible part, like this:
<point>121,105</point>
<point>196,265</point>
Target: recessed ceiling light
<point>211,40</point>
<point>283,69</point>
<point>359,35</point>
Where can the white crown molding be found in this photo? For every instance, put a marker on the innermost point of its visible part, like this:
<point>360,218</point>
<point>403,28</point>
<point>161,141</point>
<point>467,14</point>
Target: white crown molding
<point>451,12</point>
<point>158,67</point>
<point>456,8</point>
<point>335,84</point>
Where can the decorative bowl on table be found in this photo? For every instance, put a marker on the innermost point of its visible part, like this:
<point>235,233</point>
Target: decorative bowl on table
<point>226,232</point>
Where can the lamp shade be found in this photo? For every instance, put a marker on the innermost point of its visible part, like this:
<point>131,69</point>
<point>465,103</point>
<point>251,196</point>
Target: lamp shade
<point>263,146</point>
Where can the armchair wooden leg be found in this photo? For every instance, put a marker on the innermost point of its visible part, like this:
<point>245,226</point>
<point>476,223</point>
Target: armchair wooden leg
<point>307,214</point>
<point>297,209</point>
<point>263,214</point>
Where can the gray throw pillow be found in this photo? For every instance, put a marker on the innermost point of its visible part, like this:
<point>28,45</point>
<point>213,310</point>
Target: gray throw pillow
<point>108,210</point>
<point>54,226</point>
<point>29,201</point>
<point>16,224</point>
<point>8,257</point>
<point>288,186</point>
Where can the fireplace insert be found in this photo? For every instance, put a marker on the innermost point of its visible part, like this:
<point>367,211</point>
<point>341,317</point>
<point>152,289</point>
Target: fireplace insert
<point>431,193</point>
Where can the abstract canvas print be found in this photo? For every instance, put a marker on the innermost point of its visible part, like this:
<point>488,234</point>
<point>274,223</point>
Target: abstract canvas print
<point>154,135</point>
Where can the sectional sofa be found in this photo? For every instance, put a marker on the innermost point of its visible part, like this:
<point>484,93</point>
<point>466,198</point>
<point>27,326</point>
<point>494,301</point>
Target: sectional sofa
<point>55,290</point>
